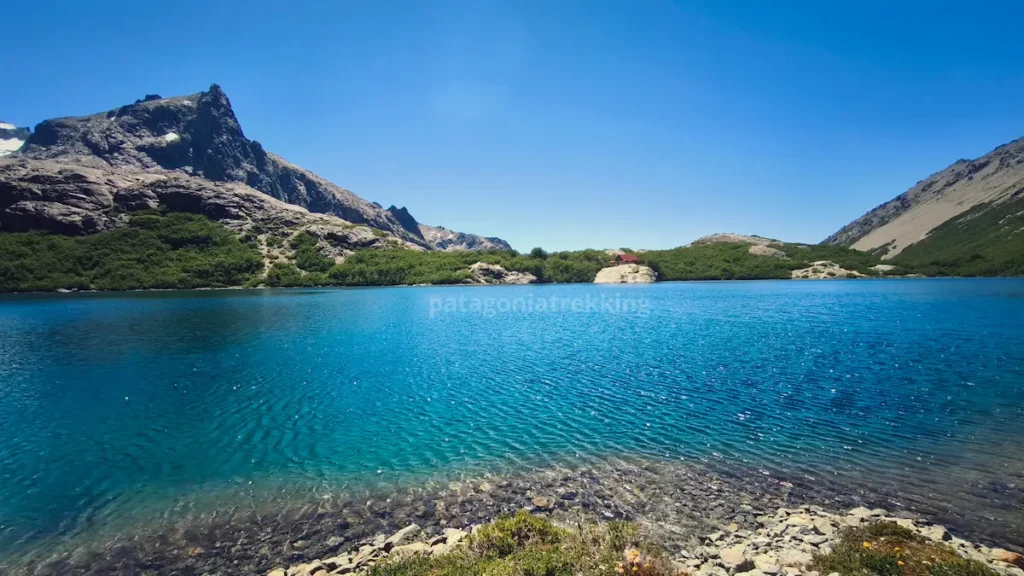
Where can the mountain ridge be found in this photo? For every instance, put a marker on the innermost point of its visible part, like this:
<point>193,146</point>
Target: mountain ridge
<point>195,136</point>
<point>912,217</point>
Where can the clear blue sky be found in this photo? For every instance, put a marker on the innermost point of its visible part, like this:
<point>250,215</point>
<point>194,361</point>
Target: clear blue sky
<point>563,124</point>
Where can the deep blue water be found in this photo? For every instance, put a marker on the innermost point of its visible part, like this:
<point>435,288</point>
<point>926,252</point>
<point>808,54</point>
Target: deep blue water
<point>146,403</point>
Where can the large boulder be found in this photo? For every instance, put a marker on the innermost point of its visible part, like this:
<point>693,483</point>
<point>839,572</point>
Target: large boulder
<point>625,274</point>
<point>484,273</point>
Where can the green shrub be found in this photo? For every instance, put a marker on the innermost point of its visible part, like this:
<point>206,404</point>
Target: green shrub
<point>887,549</point>
<point>174,250</point>
<point>307,254</point>
<point>506,535</point>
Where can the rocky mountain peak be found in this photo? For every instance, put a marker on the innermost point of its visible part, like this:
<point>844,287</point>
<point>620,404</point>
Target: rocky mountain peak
<point>406,219</point>
<point>200,136</point>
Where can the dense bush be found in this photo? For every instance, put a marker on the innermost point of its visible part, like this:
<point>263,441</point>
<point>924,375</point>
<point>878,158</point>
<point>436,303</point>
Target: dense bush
<point>154,251</point>
<point>733,261</point>
<point>393,267</point>
<point>307,256</point>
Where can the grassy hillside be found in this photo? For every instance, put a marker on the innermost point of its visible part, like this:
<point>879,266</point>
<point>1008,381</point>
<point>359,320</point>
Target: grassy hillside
<point>987,240</point>
<point>723,261</point>
<point>154,251</point>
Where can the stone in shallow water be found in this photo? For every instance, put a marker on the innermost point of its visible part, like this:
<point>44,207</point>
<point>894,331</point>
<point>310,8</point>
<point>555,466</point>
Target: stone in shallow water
<point>543,502</point>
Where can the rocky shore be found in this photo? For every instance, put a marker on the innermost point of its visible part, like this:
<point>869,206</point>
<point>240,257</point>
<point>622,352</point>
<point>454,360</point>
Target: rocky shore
<point>784,544</point>
<point>704,517</point>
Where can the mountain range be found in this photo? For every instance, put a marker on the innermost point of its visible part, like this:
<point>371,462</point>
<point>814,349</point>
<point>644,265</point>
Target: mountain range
<point>87,174</point>
<point>115,171</point>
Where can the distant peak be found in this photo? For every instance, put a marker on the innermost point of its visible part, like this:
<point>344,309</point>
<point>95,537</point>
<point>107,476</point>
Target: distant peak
<point>405,219</point>
<point>729,238</point>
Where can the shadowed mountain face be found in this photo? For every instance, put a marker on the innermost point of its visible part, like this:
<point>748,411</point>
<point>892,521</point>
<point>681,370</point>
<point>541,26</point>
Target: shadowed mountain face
<point>978,186</point>
<point>195,136</point>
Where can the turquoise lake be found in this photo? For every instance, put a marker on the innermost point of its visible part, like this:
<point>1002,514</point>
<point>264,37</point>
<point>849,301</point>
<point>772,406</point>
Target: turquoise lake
<point>117,408</point>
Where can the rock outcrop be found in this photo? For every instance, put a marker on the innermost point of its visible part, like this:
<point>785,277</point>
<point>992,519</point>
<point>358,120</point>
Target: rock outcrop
<point>765,250</point>
<point>484,273</point>
<point>625,274</point>
<point>729,238</point>
<point>440,238</point>
<point>910,217</point>
<point>824,270</point>
<point>193,139</point>
<point>759,245</point>
<point>73,199</point>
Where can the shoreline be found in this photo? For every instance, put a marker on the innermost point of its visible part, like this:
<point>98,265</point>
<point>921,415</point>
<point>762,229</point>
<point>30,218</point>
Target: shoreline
<point>331,286</point>
<point>792,542</point>
<point>675,504</point>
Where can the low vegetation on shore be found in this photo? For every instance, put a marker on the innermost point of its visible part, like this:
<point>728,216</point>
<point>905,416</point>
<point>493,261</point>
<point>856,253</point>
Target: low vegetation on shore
<point>169,250</point>
<point>888,549</point>
<point>173,251</point>
<point>519,545</point>
<point>532,545</point>
<point>408,267</point>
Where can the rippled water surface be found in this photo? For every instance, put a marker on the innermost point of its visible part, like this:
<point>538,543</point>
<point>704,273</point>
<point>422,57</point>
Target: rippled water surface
<point>139,405</point>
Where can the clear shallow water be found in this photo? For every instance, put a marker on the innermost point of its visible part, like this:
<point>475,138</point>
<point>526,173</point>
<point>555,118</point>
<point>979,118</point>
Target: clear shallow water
<point>151,404</point>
